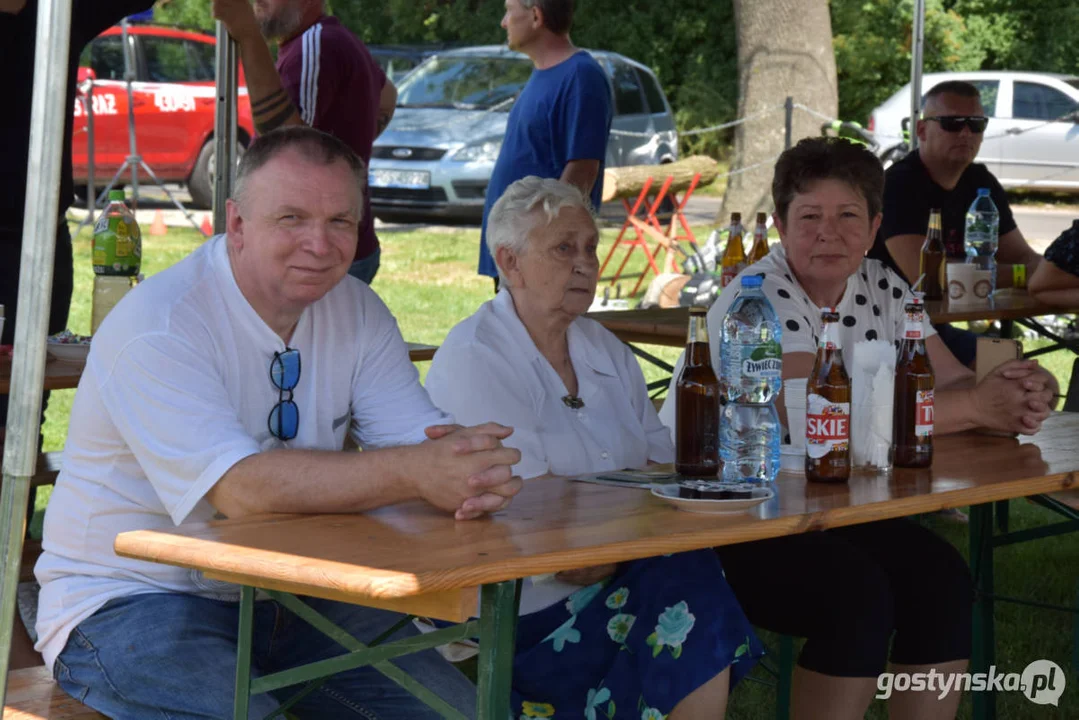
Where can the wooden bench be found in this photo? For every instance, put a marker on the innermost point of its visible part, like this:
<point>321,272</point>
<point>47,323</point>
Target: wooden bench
<point>32,694</point>
<point>48,467</point>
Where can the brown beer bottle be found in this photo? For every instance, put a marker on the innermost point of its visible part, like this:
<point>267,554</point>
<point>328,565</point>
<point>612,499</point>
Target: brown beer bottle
<point>734,257</point>
<point>912,429</point>
<point>760,239</point>
<point>696,432</point>
<point>931,266</point>
<point>828,407</point>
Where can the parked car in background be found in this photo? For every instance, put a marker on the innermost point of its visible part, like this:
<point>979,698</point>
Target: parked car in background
<point>436,156</point>
<point>174,98</point>
<point>1032,140</point>
<point>397,61</point>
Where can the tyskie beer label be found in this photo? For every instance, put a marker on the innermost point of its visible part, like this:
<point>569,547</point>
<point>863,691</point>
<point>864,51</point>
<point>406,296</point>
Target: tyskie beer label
<point>923,417</point>
<point>827,426</point>
<point>913,329</point>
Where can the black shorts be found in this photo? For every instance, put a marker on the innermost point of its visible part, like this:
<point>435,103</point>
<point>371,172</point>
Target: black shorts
<point>848,591</point>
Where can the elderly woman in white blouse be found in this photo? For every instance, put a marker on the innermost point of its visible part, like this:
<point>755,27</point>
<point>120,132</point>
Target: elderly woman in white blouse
<point>651,638</point>
<point>865,588</point>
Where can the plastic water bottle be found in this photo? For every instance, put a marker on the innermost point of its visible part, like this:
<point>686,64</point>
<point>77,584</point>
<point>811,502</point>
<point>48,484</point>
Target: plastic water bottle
<point>751,354</point>
<point>982,234</point>
<point>749,442</point>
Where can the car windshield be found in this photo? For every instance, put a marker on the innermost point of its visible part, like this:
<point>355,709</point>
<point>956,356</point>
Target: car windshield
<point>465,83</point>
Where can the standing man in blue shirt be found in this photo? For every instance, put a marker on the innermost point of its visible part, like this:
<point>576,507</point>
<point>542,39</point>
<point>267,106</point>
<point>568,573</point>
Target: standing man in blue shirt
<point>559,125</point>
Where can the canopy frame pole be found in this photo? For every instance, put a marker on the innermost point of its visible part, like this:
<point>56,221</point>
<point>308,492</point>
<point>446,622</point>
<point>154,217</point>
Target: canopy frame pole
<point>224,123</point>
<point>916,58</point>
<point>41,216</point>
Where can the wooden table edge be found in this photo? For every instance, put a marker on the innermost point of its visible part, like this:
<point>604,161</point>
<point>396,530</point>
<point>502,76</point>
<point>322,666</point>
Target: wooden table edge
<point>442,590</point>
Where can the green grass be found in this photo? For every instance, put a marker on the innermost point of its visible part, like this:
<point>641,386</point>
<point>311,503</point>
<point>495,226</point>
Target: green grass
<point>428,280</point>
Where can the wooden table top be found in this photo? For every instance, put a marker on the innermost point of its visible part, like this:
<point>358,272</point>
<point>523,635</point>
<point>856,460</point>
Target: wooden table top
<point>65,374</point>
<point>667,326</point>
<point>414,551</point>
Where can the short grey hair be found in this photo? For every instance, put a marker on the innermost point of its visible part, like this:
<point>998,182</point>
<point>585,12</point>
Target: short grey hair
<point>512,217</point>
<point>315,145</point>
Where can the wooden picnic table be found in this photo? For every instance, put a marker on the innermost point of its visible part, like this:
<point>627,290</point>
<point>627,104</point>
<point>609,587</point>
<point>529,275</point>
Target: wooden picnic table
<point>64,374</point>
<point>415,559</point>
<point>667,326</point>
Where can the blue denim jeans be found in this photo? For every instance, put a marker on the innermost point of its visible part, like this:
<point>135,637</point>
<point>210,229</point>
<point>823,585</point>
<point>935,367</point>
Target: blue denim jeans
<point>366,268</point>
<point>173,656</point>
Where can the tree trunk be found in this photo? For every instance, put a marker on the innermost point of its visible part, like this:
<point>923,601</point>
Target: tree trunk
<point>627,182</point>
<point>784,49</point>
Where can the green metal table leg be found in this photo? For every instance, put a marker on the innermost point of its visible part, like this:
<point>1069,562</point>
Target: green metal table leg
<point>981,562</point>
<point>784,677</point>
<point>243,654</point>
<point>1002,516</point>
<point>498,631</point>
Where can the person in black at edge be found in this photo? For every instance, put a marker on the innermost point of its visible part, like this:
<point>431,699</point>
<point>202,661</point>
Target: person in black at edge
<point>18,35</point>
<point>18,29</point>
<point>942,174</point>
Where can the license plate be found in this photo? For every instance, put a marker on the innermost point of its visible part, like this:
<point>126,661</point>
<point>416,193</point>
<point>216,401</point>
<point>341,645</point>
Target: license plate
<point>407,179</point>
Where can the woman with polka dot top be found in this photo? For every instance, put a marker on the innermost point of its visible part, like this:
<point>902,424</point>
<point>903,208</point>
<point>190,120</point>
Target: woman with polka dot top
<point>855,592</point>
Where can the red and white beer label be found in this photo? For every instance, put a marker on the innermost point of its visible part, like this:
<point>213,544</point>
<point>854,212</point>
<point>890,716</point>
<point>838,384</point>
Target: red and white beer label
<point>913,329</point>
<point>923,413</point>
<point>827,426</point>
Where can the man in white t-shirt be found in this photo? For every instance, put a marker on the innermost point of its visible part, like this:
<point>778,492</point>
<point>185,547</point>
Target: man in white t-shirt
<point>195,404</point>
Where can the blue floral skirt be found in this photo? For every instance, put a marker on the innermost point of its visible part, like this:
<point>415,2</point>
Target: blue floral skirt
<point>634,645</point>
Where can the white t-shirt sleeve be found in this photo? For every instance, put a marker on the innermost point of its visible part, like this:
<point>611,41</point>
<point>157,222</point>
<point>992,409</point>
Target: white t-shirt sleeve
<point>169,404</point>
<point>389,406</point>
<point>475,386</point>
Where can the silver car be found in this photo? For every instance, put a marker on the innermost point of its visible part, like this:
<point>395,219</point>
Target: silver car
<point>436,156</point>
<point>1032,139</point>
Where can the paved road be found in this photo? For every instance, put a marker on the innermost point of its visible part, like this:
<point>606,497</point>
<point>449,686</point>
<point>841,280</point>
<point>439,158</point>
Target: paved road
<point>1039,226</point>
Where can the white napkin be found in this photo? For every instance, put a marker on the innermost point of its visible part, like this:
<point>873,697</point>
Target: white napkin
<point>872,377</point>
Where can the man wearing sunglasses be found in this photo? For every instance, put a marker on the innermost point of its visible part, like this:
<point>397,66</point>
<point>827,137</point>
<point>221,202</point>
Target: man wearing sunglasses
<point>227,385</point>
<point>942,174</point>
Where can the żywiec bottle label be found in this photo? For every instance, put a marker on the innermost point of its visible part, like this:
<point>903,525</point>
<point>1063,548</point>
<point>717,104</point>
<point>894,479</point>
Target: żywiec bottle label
<point>923,413</point>
<point>763,362</point>
<point>827,426</point>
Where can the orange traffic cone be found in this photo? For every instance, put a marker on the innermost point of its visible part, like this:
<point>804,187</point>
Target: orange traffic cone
<point>207,226</point>
<point>158,226</point>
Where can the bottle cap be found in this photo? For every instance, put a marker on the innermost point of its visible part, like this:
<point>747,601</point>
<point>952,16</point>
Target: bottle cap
<point>983,192</point>
<point>762,217</point>
<point>117,195</point>
<point>752,281</point>
<point>736,217</point>
<point>698,310</point>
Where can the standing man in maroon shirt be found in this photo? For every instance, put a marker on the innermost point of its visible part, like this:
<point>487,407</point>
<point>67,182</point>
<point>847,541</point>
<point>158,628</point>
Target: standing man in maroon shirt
<point>325,77</point>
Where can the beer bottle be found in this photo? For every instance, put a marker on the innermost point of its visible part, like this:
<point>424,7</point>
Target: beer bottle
<point>912,430</point>
<point>697,402</point>
<point>828,408</point>
<point>734,257</point>
<point>760,239</point>
<point>931,266</point>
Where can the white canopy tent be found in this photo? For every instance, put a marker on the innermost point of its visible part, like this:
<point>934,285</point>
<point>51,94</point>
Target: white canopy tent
<point>50,108</point>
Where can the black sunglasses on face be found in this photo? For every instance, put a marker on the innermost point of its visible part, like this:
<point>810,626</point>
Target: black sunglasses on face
<point>954,123</point>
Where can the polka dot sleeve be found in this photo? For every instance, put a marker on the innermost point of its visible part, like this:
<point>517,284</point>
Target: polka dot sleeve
<point>897,296</point>
<point>799,319</point>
